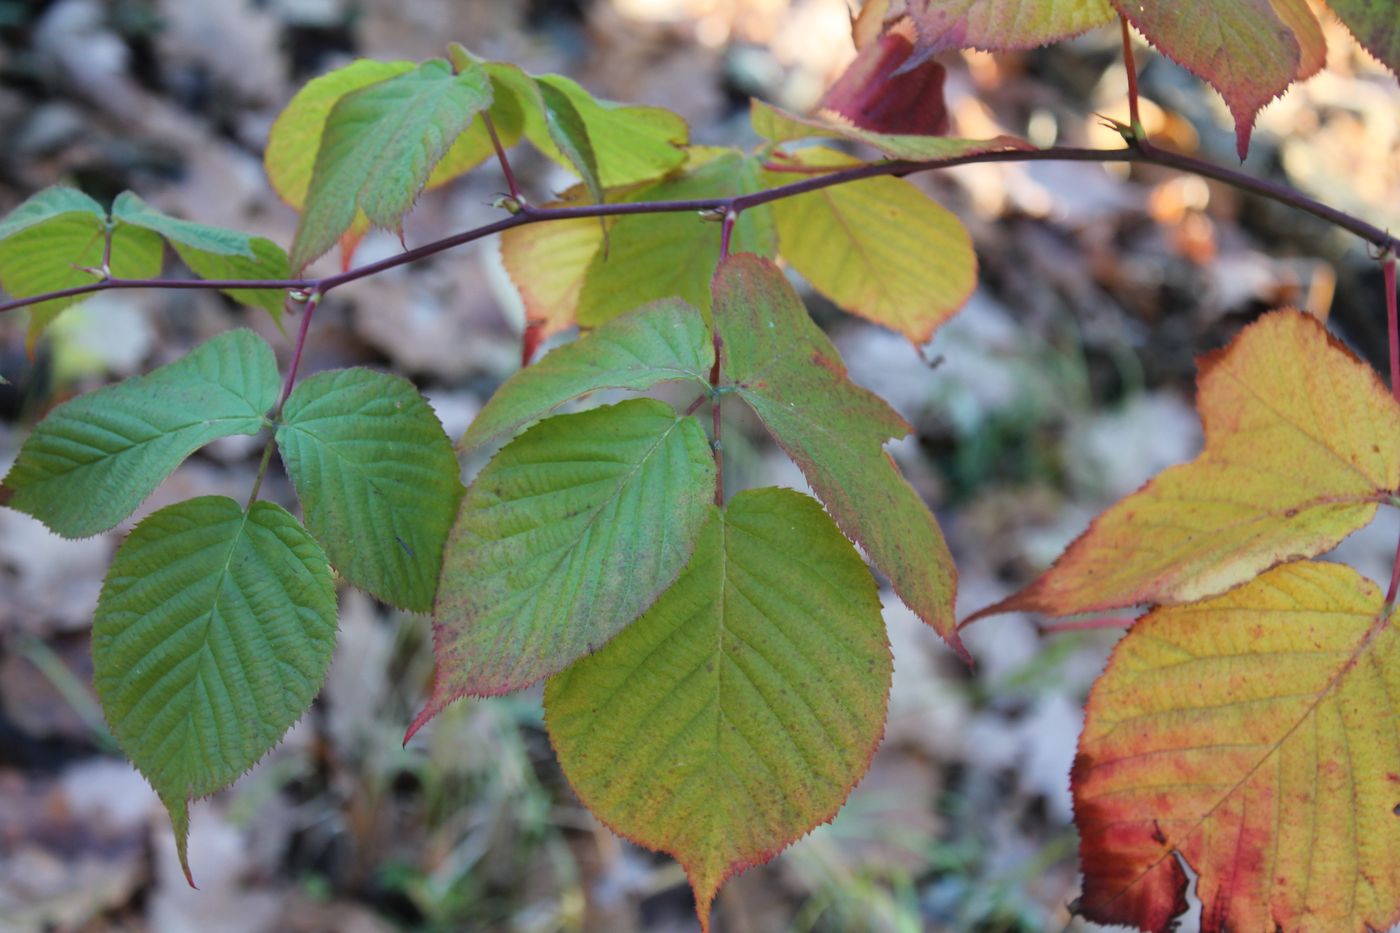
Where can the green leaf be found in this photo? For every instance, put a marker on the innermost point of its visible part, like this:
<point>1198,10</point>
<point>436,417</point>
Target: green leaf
<point>269,262</point>
<point>672,255</point>
<point>56,201</point>
<point>784,367</point>
<point>214,252</point>
<point>48,241</point>
<point>570,133</point>
<point>212,635</point>
<point>377,480</point>
<point>740,711</point>
<point>130,208</point>
<point>93,460</point>
<point>296,134</point>
<point>777,125</point>
<point>880,248</point>
<point>663,341</point>
<point>1242,48</point>
<point>378,148</point>
<point>630,144</point>
<point>1376,25</point>
<point>569,534</point>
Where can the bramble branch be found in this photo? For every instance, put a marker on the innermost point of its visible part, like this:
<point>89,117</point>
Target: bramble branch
<point>1140,152</point>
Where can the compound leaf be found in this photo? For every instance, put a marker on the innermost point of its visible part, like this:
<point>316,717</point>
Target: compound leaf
<point>777,125</point>
<point>214,252</point>
<point>1375,25</point>
<point>1255,735</point>
<point>1243,49</point>
<point>377,479</point>
<point>213,633</point>
<point>880,248</point>
<point>786,369</point>
<point>738,713</point>
<point>50,241</point>
<point>569,534</point>
<point>93,460</point>
<point>660,342</point>
<point>672,255</point>
<point>1301,443</point>
<point>378,147</point>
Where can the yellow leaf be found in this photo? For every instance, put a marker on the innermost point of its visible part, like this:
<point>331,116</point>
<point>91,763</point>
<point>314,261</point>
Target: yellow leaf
<point>1256,736</point>
<point>1302,442</point>
<point>880,248</point>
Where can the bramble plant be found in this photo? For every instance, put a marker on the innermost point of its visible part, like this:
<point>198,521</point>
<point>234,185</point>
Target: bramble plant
<point>716,667</point>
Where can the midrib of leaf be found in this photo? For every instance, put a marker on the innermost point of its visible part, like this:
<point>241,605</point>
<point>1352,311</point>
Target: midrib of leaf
<point>1378,625</point>
<point>142,442</point>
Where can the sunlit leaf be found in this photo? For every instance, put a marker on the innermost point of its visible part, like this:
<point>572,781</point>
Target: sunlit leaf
<point>880,248</point>
<point>1002,25</point>
<point>786,369</point>
<point>548,262</point>
<point>93,460</point>
<point>1302,442</point>
<point>377,479</point>
<point>568,535</point>
<point>212,635</point>
<point>738,713</point>
<point>659,342</point>
<point>378,147</point>
<point>1242,48</point>
<point>1256,735</point>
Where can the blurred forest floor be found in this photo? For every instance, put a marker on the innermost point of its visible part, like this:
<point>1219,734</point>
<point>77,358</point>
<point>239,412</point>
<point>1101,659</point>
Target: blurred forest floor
<point>1064,385</point>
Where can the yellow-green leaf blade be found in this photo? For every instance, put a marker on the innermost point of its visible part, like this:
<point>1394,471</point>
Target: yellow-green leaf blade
<point>549,263</point>
<point>94,459</point>
<point>212,635</point>
<point>569,534</point>
<point>1302,442</point>
<point>738,713</point>
<point>378,148</point>
<point>377,479</point>
<point>659,342</point>
<point>1003,25</point>
<point>1256,735</point>
<point>880,248</point>
<point>673,255</point>
<point>786,369</point>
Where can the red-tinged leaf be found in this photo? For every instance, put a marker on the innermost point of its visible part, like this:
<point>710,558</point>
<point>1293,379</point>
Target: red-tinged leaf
<point>1300,19</point>
<point>788,372</point>
<point>549,262</point>
<point>1002,25</point>
<point>740,711</point>
<point>1255,737</point>
<point>1242,48</point>
<point>1376,25</point>
<point>1302,442</point>
<point>881,91</point>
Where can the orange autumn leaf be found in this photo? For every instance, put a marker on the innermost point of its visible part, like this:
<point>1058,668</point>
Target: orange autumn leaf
<point>1255,737</point>
<point>1301,442</point>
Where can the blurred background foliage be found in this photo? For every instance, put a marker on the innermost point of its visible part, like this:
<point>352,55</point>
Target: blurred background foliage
<point>1065,383</point>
